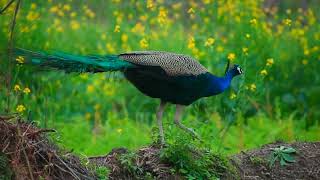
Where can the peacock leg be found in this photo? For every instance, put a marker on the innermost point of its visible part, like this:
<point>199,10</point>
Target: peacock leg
<point>159,119</point>
<point>177,118</point>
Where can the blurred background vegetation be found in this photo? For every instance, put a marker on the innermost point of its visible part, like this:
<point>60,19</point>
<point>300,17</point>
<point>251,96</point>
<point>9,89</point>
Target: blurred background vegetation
<point>277,43</point>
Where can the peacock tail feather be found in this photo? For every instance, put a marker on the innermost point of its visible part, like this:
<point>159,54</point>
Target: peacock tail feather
<point>73,63</point>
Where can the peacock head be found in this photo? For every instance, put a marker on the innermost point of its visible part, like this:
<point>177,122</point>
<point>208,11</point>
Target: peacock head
<point>236,70</point>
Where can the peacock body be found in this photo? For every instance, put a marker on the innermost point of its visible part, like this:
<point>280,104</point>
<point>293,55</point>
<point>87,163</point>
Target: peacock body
<point>173,78</point>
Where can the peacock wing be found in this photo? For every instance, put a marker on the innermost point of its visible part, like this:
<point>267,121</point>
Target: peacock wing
<point>173,64</point>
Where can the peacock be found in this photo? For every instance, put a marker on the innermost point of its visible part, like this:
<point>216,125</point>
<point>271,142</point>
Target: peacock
<point>173,78</point>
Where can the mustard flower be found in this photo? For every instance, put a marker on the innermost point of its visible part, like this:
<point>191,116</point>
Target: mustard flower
<point>264,72</point>
<point>17,87</point>
<point>20,108</point>
<point>26,90</point>
<point>231,56</point>
<point>209,42</point>
<point>20,59</point>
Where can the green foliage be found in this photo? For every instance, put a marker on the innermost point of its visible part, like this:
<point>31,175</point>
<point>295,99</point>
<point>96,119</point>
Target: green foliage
<point>257,160</point>
<point>283,155</point>
<point>5,171</point>
<point>128,161</point>
<point>193,162</point>
<point>102,172</point>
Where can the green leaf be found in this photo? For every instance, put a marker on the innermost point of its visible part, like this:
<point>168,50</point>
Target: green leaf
<point>282,162</point>
<point>289,150</point>
<point>288,158</point>
<point>273,159</point>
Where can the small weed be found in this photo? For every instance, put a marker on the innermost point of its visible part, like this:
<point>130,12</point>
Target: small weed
<point>128,162</point>
<point>193,162</point>
<point>102,172</point>
<point>5,171</point>
<point>282,154</point>
<point>257,160</point>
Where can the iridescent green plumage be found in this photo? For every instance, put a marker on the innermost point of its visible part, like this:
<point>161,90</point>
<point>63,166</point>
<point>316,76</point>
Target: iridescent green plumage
<point>74,63</point>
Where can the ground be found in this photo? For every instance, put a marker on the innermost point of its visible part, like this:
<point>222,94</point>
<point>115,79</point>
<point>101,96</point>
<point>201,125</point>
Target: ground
<point>26,152</point>
<point>307,165</point>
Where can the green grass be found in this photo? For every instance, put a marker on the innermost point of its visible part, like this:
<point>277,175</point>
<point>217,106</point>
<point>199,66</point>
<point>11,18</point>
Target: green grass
<point>97,112</point>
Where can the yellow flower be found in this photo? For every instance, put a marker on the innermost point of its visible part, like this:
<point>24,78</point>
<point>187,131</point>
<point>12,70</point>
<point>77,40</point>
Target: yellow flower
<point>287,22</point>
<point>110,48</point>
<point>144,43</point>
<point>233,96</point>
<point>191,43</point>
<point>191,11</point>
<point>253,21</point>
<point>124,38</point>
<point>73,14</point>
<point>119,130</point>
<point>26,90</point>
<point>253,87</point>
<point>150,4</point>
<point>17,87</point>
<point>33,6</point>
<point>54,9</point>
<point>231,56</point>
<point>138,28</point>
<point>20,108</point>
<point>209,42</point>
<point>162,16</point>
<point>74,25</point>
<point>89,12</point>
<point>264,72</point>
<point>67,7</point>
<point>270,62</point>
<point>245,50</point>
<point>90,88</point>
<point>248,36</point>
<point>31,16</point>
<point>117,28</point>
<point>20,59</point>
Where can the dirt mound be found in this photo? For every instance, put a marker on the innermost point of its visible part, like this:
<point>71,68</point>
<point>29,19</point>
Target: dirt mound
<point>125,165</point>
<point>255,164</point>
<point>26,153</point>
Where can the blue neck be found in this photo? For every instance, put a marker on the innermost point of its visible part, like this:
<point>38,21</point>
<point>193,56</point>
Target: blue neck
<point>219,84</point>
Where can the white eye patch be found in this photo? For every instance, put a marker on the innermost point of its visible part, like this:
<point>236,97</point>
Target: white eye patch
<point>239,70</point>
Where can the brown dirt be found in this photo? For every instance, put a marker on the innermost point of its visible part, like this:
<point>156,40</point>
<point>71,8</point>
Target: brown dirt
<point>26,153</point>
<point>30,155</point>
<point>254,164</point>
<point>147,159</point>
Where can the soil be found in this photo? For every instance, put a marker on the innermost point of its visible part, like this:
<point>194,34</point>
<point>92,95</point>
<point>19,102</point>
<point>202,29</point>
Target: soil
<point>254,164</point>
<point>26,153</point>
